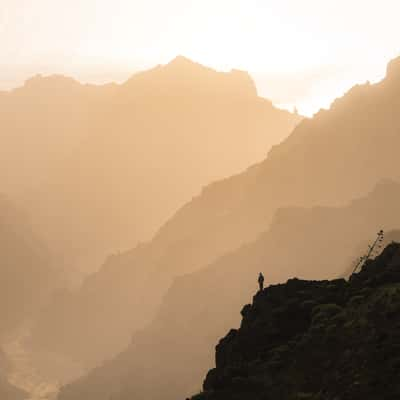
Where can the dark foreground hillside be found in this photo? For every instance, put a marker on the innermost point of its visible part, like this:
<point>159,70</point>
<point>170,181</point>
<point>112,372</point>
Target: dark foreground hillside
<point>316,340</point>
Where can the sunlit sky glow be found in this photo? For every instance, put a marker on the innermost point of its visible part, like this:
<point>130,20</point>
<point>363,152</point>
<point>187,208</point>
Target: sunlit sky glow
<point>301,53</point>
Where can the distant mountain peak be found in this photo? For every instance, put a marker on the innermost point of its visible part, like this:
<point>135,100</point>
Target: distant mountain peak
<point>182,61</point>
<point>55,82</point>
<point>393,69</point>
<point>182,64</point>
<point>182,71</point>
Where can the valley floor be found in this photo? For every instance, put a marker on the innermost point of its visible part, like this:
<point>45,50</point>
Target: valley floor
<point>40,377</point>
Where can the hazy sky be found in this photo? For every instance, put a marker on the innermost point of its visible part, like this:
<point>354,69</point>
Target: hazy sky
<point>301,52</point>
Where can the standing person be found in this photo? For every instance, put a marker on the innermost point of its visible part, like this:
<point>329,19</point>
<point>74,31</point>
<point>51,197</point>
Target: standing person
<point>261,281</point>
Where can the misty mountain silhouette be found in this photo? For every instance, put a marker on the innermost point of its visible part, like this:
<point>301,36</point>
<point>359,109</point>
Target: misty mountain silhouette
<point>330,159</point>
<point>107,165</point>
<point>41,123</point>
<point>177,346</point>
<point>182,73</point>
<point>26,274</point>
<point>316,340</point>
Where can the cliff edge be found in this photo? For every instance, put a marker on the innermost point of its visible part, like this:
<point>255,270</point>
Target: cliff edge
<point>314,340</point>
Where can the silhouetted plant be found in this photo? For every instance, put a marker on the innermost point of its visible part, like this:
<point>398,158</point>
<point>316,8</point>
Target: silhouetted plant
<point>373,250</point>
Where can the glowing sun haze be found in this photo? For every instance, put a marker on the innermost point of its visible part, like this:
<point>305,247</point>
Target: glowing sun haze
<point>301,53</point>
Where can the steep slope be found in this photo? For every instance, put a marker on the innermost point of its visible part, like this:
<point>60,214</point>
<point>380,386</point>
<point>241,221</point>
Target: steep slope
<point>316,340</point>
<point>26,276</point>
<point>199,307</point>
<point>156,141</point>
<point>338,155</point>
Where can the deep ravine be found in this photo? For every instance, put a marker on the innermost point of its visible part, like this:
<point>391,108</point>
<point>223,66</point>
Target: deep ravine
<point>40,377</point>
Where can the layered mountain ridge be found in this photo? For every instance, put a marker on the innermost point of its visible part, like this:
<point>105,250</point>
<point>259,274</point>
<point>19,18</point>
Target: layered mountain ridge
<point>97,159</point>
<point>354,145</point>
<point>199,307</point>
<point>185,73</point>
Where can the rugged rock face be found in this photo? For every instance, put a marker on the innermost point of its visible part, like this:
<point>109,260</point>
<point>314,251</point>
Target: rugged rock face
<point>316,340</point>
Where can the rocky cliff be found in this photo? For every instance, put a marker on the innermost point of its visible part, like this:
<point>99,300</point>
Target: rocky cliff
<point>326,340</point>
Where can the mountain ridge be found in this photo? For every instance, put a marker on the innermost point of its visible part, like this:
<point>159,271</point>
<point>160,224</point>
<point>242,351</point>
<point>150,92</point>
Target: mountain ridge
<point>183,72</point>
<point>159,132</point>
<point>200,306</point>
<point>353,154</point>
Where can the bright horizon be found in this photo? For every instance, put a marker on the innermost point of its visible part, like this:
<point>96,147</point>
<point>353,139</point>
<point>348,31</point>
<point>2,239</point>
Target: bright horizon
<point>296,59</point>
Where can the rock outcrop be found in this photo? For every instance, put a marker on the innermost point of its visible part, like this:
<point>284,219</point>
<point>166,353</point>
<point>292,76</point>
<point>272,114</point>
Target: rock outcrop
<point>326,340</point>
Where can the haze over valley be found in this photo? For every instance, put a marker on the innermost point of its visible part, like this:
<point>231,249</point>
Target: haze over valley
<point>148,197</point>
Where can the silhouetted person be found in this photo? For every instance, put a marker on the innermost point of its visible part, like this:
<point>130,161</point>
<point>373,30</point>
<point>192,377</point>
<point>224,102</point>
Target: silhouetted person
<point>261,281</point>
